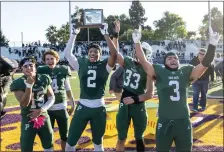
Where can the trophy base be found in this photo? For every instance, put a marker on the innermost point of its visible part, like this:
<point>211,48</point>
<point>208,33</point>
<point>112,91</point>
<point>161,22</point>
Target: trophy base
<point>90,26</point>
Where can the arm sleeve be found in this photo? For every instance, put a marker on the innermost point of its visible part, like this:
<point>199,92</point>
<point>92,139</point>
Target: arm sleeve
<point>50,99</point>
<point>49,103</point>
<point>67,85</point>
<point>69,55</point>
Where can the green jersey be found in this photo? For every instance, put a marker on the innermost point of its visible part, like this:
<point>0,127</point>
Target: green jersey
<point>134,77</point>
<point>58,75</point>
<point>93,77</point>
<point>172,90</point>
<point>39,91</point>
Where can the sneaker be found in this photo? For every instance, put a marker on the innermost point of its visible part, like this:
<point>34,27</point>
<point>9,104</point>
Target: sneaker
<point>194,110</point>
<point>202,109</point>
<point>3,113</point>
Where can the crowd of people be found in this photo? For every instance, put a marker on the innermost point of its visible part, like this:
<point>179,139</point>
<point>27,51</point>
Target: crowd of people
<point>80,49</point>
<point>125,47</point>
<point>42,91</point>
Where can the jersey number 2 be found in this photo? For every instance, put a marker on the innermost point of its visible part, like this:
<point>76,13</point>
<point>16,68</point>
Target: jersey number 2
<point>90,79</point>
<point>176,90</point>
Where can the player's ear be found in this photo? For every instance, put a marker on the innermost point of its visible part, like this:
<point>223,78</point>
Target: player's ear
<point>57,60</point>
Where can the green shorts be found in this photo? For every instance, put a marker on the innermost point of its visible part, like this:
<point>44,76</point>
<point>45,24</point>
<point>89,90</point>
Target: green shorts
<point>83,115</point>
<point>28,134</point>
<point>62,118</point>
<point>136,112</point>
<point>177,130</point>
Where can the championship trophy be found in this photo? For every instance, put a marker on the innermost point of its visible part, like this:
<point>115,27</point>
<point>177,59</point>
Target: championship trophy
<point>90,18</point>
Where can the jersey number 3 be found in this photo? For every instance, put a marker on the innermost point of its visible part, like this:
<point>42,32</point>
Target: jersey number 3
<point>90,79</point>
<point>128,78</point>
<point>176,90</point>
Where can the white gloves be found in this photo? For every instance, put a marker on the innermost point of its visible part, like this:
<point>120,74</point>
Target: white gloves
<point>136,36</point>
<point>214,37</point>
<point>104,29</point>
<point>75,30</point>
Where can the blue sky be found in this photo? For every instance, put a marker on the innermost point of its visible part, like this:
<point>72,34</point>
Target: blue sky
<point>33,18</point>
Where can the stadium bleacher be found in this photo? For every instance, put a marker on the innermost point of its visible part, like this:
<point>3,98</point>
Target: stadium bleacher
<point>185,50</point>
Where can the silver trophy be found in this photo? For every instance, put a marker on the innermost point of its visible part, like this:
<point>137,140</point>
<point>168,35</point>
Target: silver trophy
<point>92,18</point>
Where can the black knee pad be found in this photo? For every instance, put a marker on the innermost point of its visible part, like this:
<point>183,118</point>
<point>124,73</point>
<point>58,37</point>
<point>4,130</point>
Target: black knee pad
<point>140,145</point>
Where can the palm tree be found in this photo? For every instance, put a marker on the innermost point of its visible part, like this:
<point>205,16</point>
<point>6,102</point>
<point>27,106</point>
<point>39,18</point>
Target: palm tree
<point>51,34</point>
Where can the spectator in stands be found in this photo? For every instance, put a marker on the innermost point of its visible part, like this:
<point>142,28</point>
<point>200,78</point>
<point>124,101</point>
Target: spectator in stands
<point>217,60</point>
<point>201,85</point>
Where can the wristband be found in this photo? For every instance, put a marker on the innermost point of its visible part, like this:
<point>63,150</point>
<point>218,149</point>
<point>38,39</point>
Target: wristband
<point>136,99</point>
<point>28,85</point>
<point>137,42</point>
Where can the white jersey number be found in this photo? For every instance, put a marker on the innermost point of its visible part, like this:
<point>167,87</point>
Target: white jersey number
<point>176,90</point>
<point>90,79</point>
<point>54,85</point>
<point>40,99</point>
<point>128,78</point>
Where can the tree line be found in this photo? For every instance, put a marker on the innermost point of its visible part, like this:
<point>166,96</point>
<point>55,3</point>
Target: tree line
<point>170,27</point>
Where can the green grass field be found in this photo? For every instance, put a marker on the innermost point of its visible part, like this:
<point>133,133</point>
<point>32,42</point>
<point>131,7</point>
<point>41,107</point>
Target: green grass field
<point>214,89</point>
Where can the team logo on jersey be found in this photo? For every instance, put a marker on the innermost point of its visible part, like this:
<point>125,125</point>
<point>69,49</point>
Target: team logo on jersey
<point>173,72</point>
<point>181,72</point>
<point>27,126</point>
<point>189,127</point>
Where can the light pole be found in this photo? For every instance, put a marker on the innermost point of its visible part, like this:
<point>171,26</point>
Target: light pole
<point>22,38</point>
<point>70,20</point>
<point>88,35</point>
<point>209,18</point>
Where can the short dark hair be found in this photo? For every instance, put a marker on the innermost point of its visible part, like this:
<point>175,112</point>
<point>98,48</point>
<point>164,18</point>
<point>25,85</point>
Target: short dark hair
<point>30,58</point>
<point>168,54</point>
<point>96,46</point>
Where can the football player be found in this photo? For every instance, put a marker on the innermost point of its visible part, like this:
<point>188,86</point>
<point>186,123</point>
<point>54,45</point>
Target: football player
<point>93,74</point>
<point>61,86</point>
<point>30,91</point>
<point>172,82</point>
<point>135,83</point>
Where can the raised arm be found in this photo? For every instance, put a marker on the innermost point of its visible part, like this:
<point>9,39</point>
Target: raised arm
<point>116,30</point>
<point>113,51</point>
<point>120,58</point>
<point>149,69</point>
<point>209,56</point>
<point>69,49</point>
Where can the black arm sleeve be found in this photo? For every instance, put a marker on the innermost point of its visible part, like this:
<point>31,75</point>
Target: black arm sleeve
<point>209,56</point>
